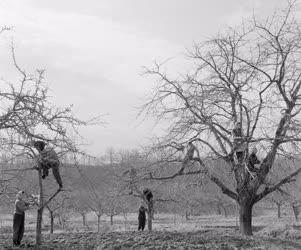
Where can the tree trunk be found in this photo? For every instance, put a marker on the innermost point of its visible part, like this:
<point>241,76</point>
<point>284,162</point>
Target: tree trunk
<point>296,211</point>
<point>125,219</point>
<point>222,207</point>
<point>186,215</point>
<point>84,219</point>
<point>64,221</point>
<point>278,210</point>
<point>40,211</point>
<point>245,218</point>
<point>218,209</point>
<point>39,226</point>
<point>111,219</point>
<point>98,223</point>
<point>60,221</point>
<point>149,215</point>
<point>225,211</point>
<point>51,222</point>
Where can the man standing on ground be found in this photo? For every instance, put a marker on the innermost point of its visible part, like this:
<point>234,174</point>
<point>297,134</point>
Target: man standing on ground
<point>19,218</point>
<point>149,198</point>
<point>141,218</point>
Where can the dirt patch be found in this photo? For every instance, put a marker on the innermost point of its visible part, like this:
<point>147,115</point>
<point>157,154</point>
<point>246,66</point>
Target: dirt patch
<point>208,239</point>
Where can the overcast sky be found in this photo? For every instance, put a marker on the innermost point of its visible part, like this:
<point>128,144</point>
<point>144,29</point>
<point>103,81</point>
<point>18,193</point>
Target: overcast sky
<point>93,52</point>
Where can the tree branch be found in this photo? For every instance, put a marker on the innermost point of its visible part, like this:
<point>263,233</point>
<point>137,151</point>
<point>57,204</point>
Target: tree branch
<point>204,171</point>
<point>269,190</point>
<point>49,200</point>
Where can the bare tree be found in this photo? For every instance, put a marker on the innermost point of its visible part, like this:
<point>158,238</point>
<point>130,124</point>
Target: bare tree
<point>94,195</point>
<point>250,76</point>
<point>279,199</point>
<point>114,203</point>
<point>27,115</point>
<point>96,205</point>
<point>55,209</point>
<point>80,205</point>
<point>292,196</point>
<point>133,165</point>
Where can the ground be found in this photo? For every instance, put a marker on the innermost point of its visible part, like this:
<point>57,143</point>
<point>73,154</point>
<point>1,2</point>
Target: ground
<point>170,232</point>
<point>209,239</point>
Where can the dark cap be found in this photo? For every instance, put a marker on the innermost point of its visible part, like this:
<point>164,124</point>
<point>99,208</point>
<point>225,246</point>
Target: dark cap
<point>39,145</point>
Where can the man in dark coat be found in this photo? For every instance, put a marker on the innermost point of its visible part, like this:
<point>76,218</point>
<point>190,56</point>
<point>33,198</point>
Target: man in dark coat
<point>48,159</point>
<point>141,218</point>
<point>253,160</point>
<point>148,194</point>
<point>19,217</point>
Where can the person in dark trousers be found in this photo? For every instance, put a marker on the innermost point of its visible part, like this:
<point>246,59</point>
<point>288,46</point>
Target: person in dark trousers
<point>19,217</point>
<point>141,218</point>
<point>49,159</point>
<point>148,195</point>
<point>253,160</point>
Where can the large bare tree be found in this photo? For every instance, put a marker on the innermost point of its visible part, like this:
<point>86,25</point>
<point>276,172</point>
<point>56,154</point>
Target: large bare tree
<point>249,74</point>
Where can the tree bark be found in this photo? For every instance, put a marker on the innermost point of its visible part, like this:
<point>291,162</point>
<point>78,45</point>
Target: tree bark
<point>111,219</point>
<point>245,218</point>
<point>63,222</point>
<point>125,219</point>
<point>278,210</point>
<point>186,215</point>
<point>149,221</point>
<point>218,209</point>
<point>84,219</point>
<point>60,221</point>
<point>149,216</point>
<point>98,223</point>
<point>39,226</point>
<point>296,212</point>
<point>51,222</point>
<point>225,211</point>
<point>40,211</point>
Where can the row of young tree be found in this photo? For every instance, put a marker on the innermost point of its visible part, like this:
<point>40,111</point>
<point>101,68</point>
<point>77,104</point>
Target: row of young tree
<point>109,189</point>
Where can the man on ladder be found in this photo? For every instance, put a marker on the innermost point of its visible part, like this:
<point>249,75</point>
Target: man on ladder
<point>47,159</point>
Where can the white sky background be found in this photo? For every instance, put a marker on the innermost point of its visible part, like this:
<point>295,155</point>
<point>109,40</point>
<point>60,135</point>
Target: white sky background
<point>93,52</point>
